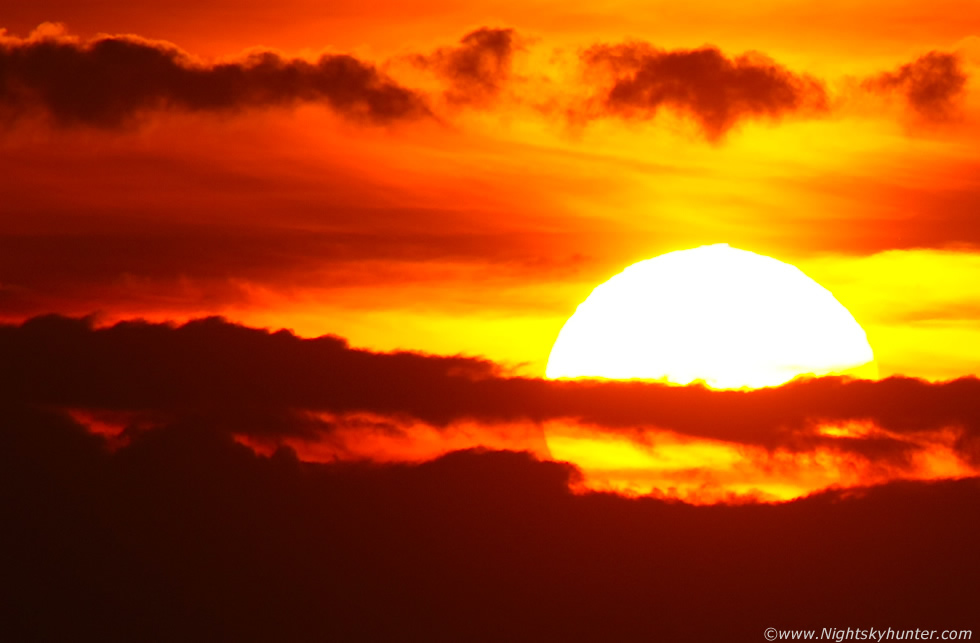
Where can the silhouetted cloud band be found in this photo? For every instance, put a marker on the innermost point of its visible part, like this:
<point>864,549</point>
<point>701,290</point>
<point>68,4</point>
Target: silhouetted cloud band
<point>248,381</point>
<point>107,81</point>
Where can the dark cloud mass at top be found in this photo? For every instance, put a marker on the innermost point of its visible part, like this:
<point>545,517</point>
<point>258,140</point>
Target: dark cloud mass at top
<point>108,80</point>
<point>713,89</point>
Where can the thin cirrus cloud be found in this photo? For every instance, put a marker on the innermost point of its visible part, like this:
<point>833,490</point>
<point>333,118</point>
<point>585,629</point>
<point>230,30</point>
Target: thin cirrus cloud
<point>107,81</point>
<point>232,374</point>
<point>50,270</point>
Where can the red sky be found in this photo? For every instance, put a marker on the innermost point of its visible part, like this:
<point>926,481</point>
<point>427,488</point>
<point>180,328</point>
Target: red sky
<point>304,257</point>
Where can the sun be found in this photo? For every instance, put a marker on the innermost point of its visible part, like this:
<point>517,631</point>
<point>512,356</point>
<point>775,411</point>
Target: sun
<point>727,317</point>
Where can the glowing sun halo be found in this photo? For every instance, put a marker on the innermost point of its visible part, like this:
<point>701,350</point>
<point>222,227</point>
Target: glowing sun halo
<point>729,317</point>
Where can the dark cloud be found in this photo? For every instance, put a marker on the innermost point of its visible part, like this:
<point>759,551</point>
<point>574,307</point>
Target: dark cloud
<point>252,381</point>
<point>107,81</point>
<point>714,90</point>
<point>184,535</point>
<point>478,67</point>
<point>932,85</point>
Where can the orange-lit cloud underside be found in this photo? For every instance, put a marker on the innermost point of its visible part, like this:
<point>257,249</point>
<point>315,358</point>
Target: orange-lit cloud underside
<point>658,463</point>
<point>329,402</point>
<point>641,462</point>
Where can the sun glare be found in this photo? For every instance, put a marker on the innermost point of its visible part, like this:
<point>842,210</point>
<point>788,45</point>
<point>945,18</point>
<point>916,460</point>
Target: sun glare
<point>727,317</point>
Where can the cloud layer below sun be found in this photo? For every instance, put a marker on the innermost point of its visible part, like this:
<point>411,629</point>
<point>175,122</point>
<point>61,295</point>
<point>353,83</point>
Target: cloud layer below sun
<point>330,402</point>
<point>480,545</point>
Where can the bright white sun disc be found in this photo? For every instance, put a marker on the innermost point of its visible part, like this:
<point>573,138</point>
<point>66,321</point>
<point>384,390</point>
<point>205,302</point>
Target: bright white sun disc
<point>728,317</point>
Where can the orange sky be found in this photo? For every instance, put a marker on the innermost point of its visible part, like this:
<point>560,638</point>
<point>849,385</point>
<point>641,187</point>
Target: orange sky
<point>462,196</point>
<point>280,282</point>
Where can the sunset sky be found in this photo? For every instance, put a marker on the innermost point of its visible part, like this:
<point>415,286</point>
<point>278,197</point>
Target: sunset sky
<point>327,248</point>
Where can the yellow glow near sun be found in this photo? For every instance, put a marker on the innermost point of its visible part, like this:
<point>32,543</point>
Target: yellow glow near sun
<point>728,317</point>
